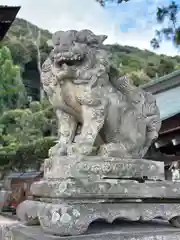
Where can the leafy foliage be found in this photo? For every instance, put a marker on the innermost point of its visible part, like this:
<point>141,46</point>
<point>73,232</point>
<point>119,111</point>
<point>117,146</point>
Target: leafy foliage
<point>25,156</point>
<point>24,52</point>
<point>103,2</point>
<point>12,91</point>
<point>141,65</point>
<point>26,135</point>
<point>126,59</point>
<point>172,31</point>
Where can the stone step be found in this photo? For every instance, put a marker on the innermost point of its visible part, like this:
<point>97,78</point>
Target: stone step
<point>106,189</point>
<point>155,230</point>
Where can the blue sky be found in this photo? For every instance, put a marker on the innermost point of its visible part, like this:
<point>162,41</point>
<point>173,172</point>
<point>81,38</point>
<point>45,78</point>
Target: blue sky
<point>138,12</point>
<point>132,23</point>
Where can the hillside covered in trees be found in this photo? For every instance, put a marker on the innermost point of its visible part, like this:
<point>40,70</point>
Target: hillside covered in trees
<point>141,65</point>
<point>28,127</point>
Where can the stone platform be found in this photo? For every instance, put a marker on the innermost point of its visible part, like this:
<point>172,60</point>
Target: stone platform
<point>155,230</point>
<point>75,217</point>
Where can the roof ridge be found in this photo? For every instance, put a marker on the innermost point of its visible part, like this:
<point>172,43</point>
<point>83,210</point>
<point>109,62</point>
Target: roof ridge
<point>7,6</point>
<point>161,79</point>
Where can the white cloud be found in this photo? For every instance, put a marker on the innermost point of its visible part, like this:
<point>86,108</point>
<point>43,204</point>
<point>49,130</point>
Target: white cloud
<point>79,14</point>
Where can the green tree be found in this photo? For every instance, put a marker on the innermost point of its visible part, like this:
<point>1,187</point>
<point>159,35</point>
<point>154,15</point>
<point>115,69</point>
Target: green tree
<point>139,77</point>
<point>177,67</point>
<point>168,14</point>
<point>26,136</point>
<point>12,91</point>
<point>151,69</point>
<point>165,67</point>
<point>29,49</point>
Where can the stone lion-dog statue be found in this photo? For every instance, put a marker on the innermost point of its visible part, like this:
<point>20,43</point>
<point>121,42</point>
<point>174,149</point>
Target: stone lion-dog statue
<point>98,112</point>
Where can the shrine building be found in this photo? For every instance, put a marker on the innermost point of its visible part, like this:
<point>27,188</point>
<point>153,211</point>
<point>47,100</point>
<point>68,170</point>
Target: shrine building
<point>7,16</point>
<point>167,92</point>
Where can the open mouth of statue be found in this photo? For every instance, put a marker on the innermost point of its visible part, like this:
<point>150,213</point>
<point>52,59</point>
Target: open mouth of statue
<point>68,59</point>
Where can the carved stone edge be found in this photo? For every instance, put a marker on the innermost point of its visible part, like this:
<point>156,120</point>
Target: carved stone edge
<point>106,189</point>
<point>74,219</point>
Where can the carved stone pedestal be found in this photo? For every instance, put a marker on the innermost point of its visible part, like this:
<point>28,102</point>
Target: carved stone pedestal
<point>76,192</point>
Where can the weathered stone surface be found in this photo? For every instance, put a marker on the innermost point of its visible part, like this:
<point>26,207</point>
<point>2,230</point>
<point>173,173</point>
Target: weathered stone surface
<point>105,126</point>
<point>101,231</point>
<point>117,118</point>
<point>28,211</point>
<point>73,219</point>
<point>96,167</point>
<point>106,189</point>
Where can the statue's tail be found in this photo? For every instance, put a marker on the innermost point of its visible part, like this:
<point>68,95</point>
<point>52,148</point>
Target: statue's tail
<point>127,88</point>
<point>124,85</point>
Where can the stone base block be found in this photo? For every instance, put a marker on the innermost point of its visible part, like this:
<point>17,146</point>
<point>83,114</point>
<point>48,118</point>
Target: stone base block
<point>96,167</point>
<point>73,219</point>
<point>154,230</point>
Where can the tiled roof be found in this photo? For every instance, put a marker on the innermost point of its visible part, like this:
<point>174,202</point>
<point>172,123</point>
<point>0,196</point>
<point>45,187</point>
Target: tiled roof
<point>161,79</point>
<point>7,16</point>
<point>24,175</point>
<point>166,89</point>
<point>169,102</point>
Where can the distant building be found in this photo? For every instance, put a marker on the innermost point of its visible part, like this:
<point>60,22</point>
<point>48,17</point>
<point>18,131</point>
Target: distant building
<point>19,183</point>
<point>167,92</point>
<point>7,16</point>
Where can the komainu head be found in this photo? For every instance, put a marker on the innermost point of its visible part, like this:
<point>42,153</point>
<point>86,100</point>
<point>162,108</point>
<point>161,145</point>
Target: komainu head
<point>71,47</point>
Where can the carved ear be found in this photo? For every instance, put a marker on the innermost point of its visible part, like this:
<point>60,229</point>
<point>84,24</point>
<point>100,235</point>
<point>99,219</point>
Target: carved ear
<point>56,37</point>
<point>90,38</point>
<point>85,36</point>
<point>101,38</point>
